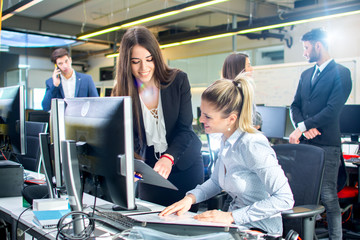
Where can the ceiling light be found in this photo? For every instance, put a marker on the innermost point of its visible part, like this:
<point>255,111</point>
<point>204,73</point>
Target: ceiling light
<point>297,22</point>
<point>257,29</point>
<point>151,17</point>
<point>251,30</point>
<point>112,55</point>
<point>21,6</point>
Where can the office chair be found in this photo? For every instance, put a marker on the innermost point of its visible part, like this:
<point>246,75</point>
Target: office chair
<point>304,167</point>
<point>47,190</point>
<point>349,199</point>
<point>38,116</point>
<point>31,160</point>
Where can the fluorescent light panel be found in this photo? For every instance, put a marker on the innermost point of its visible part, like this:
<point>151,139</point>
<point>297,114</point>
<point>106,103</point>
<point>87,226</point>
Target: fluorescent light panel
<point>20,8</point>
<point>251,30</point>
<point>149,19</point>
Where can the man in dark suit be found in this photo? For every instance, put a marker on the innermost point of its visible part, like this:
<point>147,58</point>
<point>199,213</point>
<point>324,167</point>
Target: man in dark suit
<point>65,81</point>
<point>320,96</point>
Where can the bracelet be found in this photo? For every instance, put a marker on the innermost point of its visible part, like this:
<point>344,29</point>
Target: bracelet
<point>166,156</point>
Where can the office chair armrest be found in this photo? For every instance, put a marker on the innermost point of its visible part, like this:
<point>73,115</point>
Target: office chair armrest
<point>303,211</point>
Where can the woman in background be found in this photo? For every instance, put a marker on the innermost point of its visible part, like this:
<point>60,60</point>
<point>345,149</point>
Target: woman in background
<point>236,63</point>
<point>162,116</point>
<point>247,168</point>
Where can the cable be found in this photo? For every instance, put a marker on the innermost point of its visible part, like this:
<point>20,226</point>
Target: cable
<point>17,222</point>
<point>5,227</point>
<point>2,153</point>
<point>63,226</point>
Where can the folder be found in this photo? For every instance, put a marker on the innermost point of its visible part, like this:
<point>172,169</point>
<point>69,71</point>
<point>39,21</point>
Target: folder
<point>50,218</point>
<point>149,176</point>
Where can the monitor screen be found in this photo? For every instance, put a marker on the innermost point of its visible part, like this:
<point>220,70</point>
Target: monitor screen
<point>103,126</point>
<point>349,121</point>
<point>12,119</point>
<point>273,121</point>
<point>108,92</point>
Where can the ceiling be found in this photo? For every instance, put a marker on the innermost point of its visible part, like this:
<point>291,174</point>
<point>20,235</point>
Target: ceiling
<point>69,18</point>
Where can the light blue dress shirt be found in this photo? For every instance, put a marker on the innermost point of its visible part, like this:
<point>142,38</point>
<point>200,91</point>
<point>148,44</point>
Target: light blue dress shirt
<point>248,170</point>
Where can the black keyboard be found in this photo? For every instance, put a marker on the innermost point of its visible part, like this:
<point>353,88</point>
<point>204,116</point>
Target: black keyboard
<point>353,160</point>
<point>115,220</point>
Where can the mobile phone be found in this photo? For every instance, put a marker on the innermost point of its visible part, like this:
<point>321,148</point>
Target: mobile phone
<point>56,66</point>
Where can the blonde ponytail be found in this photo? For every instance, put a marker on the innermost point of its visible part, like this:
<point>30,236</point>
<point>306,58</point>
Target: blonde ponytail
<point>233,96</point>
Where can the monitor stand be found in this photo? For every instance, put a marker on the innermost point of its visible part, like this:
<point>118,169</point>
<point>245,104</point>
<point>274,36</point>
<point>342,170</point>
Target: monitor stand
<point>72,182</point>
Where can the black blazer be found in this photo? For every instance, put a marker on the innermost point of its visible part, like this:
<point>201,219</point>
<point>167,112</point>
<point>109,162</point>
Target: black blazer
<point>183,144</point>
<point>319,106</point>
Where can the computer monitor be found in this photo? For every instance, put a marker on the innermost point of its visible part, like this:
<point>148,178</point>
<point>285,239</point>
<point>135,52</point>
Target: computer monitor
<point>349,122</point>
<point>103,131</point>
<point>12,119</point>
<point>57,134</point>
<point>273,121</point>
<point>108,92</point>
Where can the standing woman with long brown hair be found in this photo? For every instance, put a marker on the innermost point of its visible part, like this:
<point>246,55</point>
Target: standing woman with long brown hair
<point>162,115</point>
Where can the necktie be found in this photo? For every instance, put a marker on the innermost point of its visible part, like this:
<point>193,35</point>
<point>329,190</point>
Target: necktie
<point>313,80</point>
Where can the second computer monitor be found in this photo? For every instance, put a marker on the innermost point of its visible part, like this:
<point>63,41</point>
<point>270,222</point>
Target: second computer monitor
<point>349,122</point>
<point>273,121</point>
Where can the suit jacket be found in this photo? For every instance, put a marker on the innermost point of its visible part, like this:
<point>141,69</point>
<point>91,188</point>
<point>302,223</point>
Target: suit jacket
<point>183,144</point>
<point>319,106</point>
<point>84,87</point>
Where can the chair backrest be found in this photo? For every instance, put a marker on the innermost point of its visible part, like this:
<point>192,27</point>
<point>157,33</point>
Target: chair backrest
<point>39,116</point>
<point>31,160</point>
<point>303,165</point>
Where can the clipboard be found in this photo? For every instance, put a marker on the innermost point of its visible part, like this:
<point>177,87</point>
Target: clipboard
<point>149,176</point>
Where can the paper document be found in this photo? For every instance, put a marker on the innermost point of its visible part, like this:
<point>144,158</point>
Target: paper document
<point>186,219</point>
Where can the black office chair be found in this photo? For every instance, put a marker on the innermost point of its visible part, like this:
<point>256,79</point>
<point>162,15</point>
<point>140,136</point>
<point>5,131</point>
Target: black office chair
<point>31,160</point>
<point>38,116</point>
<point>304,167</point>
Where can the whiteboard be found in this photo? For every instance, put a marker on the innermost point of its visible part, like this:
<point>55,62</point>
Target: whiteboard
<point>276,84</point>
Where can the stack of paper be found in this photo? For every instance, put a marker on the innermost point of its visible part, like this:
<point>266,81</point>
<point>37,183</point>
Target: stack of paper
<point>48,212</point>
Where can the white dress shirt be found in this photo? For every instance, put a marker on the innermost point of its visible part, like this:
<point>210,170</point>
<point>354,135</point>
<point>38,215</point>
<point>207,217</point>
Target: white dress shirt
<point>248,170</point>
<point>155,130</point>
<point>68,85</point>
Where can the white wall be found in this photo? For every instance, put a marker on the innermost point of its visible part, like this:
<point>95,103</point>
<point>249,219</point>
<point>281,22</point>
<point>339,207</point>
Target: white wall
<point>344,38</point>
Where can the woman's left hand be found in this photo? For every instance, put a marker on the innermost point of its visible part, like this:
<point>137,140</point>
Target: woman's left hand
<point>215,216</point>
<point>163,166</point>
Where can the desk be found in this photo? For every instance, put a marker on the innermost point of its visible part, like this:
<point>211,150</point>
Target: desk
<point>11,208</point>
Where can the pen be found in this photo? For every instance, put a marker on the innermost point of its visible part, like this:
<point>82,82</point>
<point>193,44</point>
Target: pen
<point>137,176</point>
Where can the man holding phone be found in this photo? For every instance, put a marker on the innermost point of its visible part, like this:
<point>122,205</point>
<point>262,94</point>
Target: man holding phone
<point>65,81</point>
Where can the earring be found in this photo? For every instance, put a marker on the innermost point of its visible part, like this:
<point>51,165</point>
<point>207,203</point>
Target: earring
<point>229,129</point>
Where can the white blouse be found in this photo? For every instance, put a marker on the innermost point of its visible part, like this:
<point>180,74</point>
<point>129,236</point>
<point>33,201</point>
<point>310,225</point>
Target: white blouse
<point>154,126</point>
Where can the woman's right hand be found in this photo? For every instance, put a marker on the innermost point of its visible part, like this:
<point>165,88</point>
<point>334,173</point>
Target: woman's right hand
<point>179,207</point>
